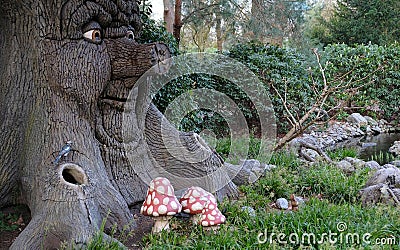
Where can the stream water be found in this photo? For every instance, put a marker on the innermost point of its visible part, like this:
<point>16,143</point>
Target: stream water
<point>379,152</point>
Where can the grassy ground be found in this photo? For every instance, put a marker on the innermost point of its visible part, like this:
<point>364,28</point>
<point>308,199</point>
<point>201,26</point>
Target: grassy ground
<point>332,217</point>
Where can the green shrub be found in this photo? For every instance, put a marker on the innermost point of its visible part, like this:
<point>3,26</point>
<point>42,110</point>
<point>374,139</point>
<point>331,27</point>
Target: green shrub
<point>379,92</point>
<point>375,70</point>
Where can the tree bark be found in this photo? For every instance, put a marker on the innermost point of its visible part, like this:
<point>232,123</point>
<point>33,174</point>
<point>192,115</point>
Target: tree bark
<point>169,15</point>
<point>218,30</point>
<point>178,20</point>
<point>60,84</point>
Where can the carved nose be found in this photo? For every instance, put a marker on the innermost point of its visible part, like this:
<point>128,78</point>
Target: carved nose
<point>132,60</point>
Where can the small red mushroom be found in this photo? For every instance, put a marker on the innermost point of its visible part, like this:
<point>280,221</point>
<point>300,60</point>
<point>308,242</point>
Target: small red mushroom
<point>211,217</point>
<point>194,200</point>
<point>160,203</point>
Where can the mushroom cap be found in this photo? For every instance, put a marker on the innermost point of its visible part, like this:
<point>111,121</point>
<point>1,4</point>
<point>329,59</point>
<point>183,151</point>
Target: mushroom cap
<point>211,216</point>
<point>160,199</point>
<point>194,200</point>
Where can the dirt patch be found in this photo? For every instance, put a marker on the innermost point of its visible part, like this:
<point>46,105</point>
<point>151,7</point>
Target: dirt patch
<point>14,220</point>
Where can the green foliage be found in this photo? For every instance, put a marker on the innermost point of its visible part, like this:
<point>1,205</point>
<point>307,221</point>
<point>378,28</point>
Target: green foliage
<point>5,220</point>
<point>361,22</point>
<point>374,69</point>
<point>379,92</point>
<point>200,119</point>
<point>102,241</point>
<point>285,69</point>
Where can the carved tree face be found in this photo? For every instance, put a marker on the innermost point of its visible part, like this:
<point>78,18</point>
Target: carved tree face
<point>93,59</point>
<point>78,59</point>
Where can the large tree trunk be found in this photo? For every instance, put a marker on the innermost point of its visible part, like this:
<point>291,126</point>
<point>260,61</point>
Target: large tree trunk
<point>58,86</point>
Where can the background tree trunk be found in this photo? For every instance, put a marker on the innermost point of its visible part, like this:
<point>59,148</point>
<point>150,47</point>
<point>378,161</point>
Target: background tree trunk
<point>178,20</point>
<point>169,15</point>
<point>58,86</point>
<point>218,30</point>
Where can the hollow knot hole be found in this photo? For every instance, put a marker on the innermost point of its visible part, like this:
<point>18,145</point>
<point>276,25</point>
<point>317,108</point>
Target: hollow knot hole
<point>74,174</point>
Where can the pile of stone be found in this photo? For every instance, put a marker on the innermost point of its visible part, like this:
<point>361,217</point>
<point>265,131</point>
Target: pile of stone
<point>339,134</point>
<point>350,164</point>
<point>383,187</point>
<point>355,126</point>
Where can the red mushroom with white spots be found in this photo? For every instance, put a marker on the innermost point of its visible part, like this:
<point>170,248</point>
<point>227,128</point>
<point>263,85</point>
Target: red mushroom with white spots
<point>211,217</point>
<point>160,203</point>
<point>194,200</point>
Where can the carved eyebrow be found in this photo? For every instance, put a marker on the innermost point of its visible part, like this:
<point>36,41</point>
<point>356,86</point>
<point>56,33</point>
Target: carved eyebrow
<point>74,15</point>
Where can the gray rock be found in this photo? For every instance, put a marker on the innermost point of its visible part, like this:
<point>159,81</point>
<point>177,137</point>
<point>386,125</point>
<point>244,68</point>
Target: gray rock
<point>382,122</point>
<point>358,119</point>
<point>372,165</point>
<point>395,163</point>
<point>282,203</point>
<point>395,148</point>
<point>376,129</point>
<point>388,166</point>
<point>383,176</point>
<point>379,193</point>
<point>359,132</point>
<point>368,144</point>
<point>371,121</point>
<point>313,154</point>
<point>249,210</point>
<point>268,167</point>
<point>300,200</point>
<point>346,166</point>
<point>357,163</point>
<point>254,166</point>
<point>247,172</point>
<point>250,164</point>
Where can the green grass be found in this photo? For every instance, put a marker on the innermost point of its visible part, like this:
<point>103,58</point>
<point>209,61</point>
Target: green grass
<point>318,217</point>
<point>341,153</point>
<point>243,148</point>
<point>382,157</point>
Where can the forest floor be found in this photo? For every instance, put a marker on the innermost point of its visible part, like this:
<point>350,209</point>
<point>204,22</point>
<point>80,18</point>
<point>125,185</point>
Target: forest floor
<point>13,221</point>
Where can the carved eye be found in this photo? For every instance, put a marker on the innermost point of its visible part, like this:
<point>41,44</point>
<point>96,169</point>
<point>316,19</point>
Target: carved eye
<point>93,35</point>
<point>130,35</point>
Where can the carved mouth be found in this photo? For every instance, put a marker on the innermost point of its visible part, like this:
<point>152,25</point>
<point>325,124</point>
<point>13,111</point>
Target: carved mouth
<point>114,102</point>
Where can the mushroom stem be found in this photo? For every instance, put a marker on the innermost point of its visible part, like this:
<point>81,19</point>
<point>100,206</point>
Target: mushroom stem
<point>161,223</point>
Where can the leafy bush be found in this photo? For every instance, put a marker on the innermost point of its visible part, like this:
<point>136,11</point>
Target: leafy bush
<point>379,93</point>
<point>285,69</point>
<point>375,68</point>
